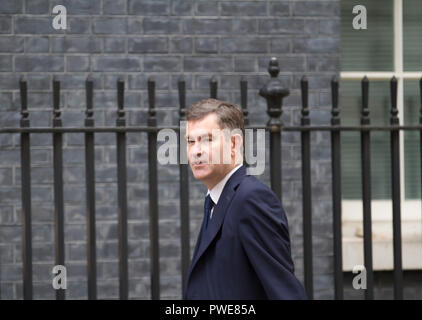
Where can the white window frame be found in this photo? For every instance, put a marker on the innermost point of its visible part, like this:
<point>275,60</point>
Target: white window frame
<point>381,210</point>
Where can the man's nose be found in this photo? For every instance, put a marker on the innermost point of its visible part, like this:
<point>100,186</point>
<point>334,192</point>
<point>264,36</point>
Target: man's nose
<point>196,149</point>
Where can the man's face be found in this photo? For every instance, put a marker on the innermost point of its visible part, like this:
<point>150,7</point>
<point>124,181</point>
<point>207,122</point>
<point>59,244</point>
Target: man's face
<point>205,147</point>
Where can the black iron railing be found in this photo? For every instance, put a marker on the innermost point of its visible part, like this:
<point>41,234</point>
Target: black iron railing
<point>274,93</point>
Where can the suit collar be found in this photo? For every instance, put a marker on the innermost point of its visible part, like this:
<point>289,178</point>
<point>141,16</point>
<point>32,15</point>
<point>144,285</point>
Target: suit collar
<point>216,222</point>
<point>217,190</point>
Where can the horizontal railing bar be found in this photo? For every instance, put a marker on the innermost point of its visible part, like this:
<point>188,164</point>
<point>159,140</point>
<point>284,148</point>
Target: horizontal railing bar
<point>152,129</point>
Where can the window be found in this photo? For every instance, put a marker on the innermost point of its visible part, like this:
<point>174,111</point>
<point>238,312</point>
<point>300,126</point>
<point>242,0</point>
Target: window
<point>390,46</point>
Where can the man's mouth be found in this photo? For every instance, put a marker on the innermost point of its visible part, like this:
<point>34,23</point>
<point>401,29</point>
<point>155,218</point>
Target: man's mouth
<point>198,162</point>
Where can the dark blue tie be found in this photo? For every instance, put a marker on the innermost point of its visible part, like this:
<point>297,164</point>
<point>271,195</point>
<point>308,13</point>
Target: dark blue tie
<point>207,211</point>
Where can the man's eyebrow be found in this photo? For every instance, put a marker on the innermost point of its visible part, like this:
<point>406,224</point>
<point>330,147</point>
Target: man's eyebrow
<point>208,135</point>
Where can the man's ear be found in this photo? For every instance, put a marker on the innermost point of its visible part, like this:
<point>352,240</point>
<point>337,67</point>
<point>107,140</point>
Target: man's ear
<point>236,145</point>
<point>236,140</point>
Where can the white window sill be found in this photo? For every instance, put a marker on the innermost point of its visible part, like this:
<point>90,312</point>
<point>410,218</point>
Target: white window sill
<point>382,244</point>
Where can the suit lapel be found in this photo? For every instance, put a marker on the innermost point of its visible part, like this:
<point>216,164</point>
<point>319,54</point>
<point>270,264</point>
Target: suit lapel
<point>219,213</point>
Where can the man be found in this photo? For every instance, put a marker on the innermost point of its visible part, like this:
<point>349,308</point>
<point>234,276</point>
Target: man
<point>243,248</point>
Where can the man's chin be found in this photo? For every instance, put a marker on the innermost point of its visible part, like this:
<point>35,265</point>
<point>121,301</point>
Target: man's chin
<point>201,172</point>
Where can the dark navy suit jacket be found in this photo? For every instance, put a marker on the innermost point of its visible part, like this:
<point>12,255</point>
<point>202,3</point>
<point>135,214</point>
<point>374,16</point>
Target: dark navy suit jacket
<point>245,252</point>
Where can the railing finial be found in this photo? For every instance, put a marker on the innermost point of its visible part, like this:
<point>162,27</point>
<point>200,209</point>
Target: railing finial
<point>121,120</point>
<point>335,111</point>
<point>274,93</point>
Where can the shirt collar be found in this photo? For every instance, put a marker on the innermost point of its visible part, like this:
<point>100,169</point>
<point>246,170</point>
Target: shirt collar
<point>216,191</point>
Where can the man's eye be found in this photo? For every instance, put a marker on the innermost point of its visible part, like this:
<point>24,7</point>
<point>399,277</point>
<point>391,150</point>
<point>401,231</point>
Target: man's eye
<point>190,141</point>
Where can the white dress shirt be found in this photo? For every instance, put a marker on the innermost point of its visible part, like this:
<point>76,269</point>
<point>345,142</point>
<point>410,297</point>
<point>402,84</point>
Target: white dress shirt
<point>216,191</point>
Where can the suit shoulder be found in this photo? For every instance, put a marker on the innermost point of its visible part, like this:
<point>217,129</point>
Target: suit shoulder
<point>251,187</point>
<point>259,201</point>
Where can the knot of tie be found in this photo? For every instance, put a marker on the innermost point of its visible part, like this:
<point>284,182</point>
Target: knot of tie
<point>207,210</point>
